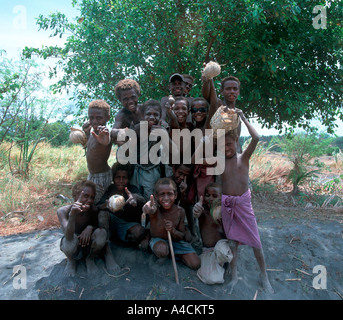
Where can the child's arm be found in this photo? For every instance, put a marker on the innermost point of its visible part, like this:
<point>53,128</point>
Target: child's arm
<point>67,221</point>
<point>163,102</point>
<point>206,88</point>
<point>173,123</point>
<point>86,127</point>
<point>213,104</point>
<point>177,233</point>
<point>118,127</point>
<point>67,217</point>
<point>253,133</point>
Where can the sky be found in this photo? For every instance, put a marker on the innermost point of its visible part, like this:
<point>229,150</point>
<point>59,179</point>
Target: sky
<point>18,29</point>
<point>18,23</point>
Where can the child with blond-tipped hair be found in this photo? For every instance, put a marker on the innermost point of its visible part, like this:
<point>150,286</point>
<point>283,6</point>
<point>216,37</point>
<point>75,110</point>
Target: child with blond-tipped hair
<point>99,147</point>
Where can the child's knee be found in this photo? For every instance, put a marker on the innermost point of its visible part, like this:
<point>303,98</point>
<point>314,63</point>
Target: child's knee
<point>99,238</point>
<point>69,247</point>
<point>161,249</point>
<point>135,233</point>
<point>194,264</point>
<point>233,245</point>
<point>192,260</point>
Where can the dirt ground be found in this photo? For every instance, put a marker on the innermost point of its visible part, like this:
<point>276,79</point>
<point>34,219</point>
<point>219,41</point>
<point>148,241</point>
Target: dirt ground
<point>303,252</point>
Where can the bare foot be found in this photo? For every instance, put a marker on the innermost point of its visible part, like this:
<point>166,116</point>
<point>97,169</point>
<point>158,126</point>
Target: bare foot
<point>232,284</point>
<point>266,284</point>
<point>70,268</point>
<point>144,245</point>
<point>111,265</point>
<point>161,261</point>
<point>91,266</point>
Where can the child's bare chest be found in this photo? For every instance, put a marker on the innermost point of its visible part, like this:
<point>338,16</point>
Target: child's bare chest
<point>162,216</point>
<point>235,177</point>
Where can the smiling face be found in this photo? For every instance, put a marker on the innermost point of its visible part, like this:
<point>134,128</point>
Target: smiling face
<point>152,115</point>
<point>121,180</point>
<point>177,87</point>
<point>230,146</point>
<point>129,100</point>
<point>199,111</point>
<point>97,117</point>
<point>166,195</point>
<point>230,91</point>
<point>180,109</point>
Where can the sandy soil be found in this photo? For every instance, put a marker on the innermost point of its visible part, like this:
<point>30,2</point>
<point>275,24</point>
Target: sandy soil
<point>294,244</point>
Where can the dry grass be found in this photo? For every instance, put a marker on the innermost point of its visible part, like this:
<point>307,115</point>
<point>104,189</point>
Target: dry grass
<point>272,190</point>
<point>30,204</point>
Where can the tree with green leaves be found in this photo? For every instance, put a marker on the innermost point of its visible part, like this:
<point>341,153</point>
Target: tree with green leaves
<point>289,68</point>
<point>26,108</point>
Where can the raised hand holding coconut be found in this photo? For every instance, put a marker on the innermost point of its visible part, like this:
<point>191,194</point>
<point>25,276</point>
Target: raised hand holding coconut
<point>78,136</point>
<point>211,70</point>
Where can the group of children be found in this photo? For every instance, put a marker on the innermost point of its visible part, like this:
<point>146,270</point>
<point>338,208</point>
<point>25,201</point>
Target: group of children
<point>171,198</point>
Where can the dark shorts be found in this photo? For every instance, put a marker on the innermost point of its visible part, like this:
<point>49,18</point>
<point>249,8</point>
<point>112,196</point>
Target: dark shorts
<point>180,247</point>
<point>120,227</point>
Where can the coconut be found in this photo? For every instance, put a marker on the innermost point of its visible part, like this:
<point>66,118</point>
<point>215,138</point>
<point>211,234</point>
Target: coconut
<point>171,100</point>
<point>224,118</point>
<point>216,210</point>
<point>211,70</point>
<point>78,136</point>
<point>116,202</point>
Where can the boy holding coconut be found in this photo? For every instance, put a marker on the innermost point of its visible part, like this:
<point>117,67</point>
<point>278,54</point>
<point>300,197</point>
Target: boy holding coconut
<point>238,218</point>
<point>99,147</point>
<point>124,224</point>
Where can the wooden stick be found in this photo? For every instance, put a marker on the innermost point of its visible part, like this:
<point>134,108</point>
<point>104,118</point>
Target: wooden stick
<point>118,276</point>
<point>339,294</point>
<point>303,272</point>
<point>173,257</point>
<point>197,290</point>
<point>276,270</point>
<point>296,279</point>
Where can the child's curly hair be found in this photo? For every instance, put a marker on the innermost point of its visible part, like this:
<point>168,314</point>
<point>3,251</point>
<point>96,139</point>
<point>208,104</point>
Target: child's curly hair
<point>78,187</point>
<point>232,78</point>
<point>126,84</point>
<point>165,181</point>
<point>151,104</point>
<point>232,134</point>
<point>100,104</point>
<point>117,166</point>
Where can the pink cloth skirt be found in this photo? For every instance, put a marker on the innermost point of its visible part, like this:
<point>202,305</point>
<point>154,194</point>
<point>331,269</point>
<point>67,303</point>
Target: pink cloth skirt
<point>239,221</point>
